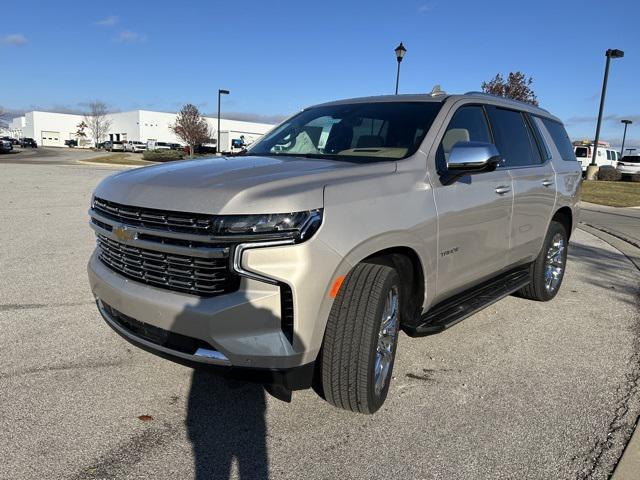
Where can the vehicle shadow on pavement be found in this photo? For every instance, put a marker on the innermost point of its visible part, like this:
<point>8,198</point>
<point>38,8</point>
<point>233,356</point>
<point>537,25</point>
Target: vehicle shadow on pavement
<point>607,270</point>
<point>226,423</point>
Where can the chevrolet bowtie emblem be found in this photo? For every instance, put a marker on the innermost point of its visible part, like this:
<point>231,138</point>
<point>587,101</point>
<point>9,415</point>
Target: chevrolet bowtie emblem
<point>123,233</point>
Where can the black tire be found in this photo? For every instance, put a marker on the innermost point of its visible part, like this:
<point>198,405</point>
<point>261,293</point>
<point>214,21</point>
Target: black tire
<point>348,356</point>
<point>537,289</point>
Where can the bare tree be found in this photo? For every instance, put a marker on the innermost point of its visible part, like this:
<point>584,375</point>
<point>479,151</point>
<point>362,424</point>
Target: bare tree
<point>517,86</point>
<point>81,134</point>
<point>97,121</point>
<point>190,127</point>
<point>3,116</point>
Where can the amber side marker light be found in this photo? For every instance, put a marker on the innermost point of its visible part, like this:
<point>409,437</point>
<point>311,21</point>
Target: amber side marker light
<point>336,286</point>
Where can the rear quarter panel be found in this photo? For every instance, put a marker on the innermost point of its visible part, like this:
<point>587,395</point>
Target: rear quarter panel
<point>568,177</point>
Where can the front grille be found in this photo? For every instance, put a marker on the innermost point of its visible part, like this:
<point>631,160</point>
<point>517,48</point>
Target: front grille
<point>205,277</point>
<point>193,223</point>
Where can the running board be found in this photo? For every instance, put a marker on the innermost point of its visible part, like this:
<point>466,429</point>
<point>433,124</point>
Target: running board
<point>465,304</point>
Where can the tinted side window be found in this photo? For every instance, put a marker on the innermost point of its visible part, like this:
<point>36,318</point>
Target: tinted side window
<point>468,124</point>
<point>513,138</point>
<point>562,141</point>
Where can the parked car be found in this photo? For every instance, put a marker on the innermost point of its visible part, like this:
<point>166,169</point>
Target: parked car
<point>162,146</point>
<point>207,147</point>
<point>114,146</point>
<point>135,146</point>
<point>629,165</point>
<point>13,141</point>
<point>409,212</point>
<point>28,142</point>
<point>5,146</point>
<point>71,143</point>
<point>175,146</point>
<point>604,156</point>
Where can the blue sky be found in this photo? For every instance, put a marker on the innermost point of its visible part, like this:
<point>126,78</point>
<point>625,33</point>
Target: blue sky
<point>279,56</point>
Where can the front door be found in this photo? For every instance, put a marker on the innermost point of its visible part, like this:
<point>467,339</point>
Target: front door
<point>474,212</point>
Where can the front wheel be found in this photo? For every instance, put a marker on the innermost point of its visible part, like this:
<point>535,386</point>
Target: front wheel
<point>359,347</point>
<point>548,269</point>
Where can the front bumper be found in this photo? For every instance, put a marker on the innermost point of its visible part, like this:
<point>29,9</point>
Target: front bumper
<point>628,169</point>
<point>244,325</point>
<point>294,378</point>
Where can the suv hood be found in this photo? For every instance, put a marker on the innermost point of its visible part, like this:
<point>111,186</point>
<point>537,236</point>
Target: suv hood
<point>234,185</point>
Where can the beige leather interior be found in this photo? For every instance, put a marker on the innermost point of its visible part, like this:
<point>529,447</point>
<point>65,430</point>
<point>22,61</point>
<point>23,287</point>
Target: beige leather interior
<point>452,137</point>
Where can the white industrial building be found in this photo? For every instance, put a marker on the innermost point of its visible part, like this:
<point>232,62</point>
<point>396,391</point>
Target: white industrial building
<point>53,129</point>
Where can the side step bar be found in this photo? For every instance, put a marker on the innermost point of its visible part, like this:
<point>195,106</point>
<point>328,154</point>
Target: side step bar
<point>461,306</point>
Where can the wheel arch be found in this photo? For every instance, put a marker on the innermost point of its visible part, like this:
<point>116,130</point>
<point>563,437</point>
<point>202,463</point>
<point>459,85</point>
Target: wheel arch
<point>407,263</point>
<point>564,216</point>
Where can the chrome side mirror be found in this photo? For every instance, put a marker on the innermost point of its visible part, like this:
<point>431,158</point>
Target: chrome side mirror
<point>470,157</point>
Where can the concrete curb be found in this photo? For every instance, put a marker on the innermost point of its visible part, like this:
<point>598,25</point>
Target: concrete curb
<point>112,165</point>
<point>629,463</point>
<point>631,211</point>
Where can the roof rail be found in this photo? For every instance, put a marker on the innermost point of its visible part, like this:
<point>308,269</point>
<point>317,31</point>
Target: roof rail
<point>513,100</point>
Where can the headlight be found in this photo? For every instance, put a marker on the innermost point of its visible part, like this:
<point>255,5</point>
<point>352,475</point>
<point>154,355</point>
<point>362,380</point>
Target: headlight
<point>298,226</point>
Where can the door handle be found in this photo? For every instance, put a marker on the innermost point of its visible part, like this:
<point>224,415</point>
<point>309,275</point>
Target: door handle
<point>502,189</point>
<point>547,183</point>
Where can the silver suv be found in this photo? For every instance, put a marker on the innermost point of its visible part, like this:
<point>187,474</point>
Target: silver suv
<point>297,263</point>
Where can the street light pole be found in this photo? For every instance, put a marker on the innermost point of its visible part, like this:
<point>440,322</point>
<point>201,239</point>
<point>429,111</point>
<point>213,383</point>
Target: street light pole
<point>400,51</point>
<point>220,92</point>
<point>624,135</point>
<point>592,169</point>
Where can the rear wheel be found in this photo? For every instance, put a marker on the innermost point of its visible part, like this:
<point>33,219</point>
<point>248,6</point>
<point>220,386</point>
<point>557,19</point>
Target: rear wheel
<point>359,347</point>
<point>547,271</point>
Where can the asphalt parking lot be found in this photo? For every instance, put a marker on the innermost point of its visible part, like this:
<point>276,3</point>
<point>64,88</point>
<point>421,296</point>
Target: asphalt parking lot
<point>47,156</point>
<point>520,390</point>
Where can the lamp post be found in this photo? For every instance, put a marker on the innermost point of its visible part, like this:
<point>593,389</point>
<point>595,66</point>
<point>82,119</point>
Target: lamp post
<point>592,169</point>
<point>624,135</point>
<point>400,51</point>
<point>220,93</point>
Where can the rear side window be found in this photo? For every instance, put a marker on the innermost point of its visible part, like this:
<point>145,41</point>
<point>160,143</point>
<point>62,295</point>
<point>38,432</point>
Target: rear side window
<point>581,152</point>
<point>562,141</point>
<point>513,137</point>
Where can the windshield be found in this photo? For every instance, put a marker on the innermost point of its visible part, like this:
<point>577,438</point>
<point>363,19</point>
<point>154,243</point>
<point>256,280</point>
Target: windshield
<point>352,132</point>
<point>630,159</point>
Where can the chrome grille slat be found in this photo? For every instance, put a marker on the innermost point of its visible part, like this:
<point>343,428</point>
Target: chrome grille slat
<point>198,224</point>
<point>199,276</point>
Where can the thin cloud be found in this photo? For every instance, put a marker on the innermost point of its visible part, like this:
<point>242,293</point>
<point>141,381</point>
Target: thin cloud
<point>610,119</point>
<point>109,21</point>
<point>16,39</point>
<point>426,7</point>
<point>250,117</point>
<point>130,37</point>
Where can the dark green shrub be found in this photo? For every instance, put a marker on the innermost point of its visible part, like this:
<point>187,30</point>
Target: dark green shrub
<point>609,174</point>
<point>162,155</point>
<point>635,177</point>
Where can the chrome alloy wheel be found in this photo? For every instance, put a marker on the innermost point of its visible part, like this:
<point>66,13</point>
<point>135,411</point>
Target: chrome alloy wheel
<point>554,263</point>
<point>386,340</point>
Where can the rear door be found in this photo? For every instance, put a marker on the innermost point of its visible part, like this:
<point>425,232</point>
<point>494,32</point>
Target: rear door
<point>473,213</point>
<point>583,155</point>
<point>534,182</point>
